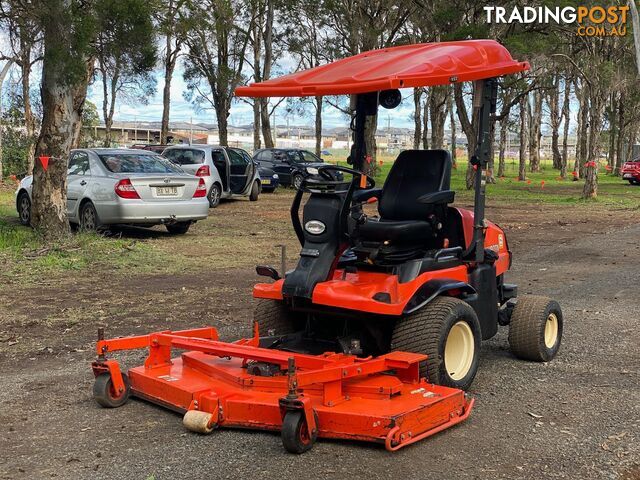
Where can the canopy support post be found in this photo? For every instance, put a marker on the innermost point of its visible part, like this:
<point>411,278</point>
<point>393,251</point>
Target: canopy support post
<point>486,96</point>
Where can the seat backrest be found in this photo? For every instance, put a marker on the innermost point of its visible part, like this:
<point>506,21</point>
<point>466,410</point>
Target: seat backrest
<point>414,173</point>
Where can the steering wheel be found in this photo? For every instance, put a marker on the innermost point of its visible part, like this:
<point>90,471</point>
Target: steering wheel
<point>325,182</point>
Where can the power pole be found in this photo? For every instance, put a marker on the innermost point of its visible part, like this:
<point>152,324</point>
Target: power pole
<point>190,130</point>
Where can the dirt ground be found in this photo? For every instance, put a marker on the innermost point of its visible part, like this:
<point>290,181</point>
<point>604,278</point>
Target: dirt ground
<point>576,417</point>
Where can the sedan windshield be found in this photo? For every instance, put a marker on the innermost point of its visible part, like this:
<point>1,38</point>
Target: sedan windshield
<point>138,163</point>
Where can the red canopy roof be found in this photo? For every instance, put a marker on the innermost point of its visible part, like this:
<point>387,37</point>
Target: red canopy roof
<point>421,65</point>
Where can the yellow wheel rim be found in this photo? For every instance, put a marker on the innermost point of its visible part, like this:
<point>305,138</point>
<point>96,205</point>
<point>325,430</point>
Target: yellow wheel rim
<point>551,330</point>
<point>459,350</point>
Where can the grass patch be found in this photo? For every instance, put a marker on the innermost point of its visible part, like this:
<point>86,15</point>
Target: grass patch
<point>539,188</point>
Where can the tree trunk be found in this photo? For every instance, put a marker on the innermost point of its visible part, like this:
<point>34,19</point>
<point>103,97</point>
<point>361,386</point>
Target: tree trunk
<point>265,122</point>
<point>318,125</point>
<point>452,120</point>
<point>522,171</point>
<point>502,147</point>
<point>62,104</point>
<point>417,117</point>
<point>555,117</point>
<point>425,121</point>
<point>590,189</point>
<point>437,112</point>
<point>169,67</point>
<point>222,116</point>
<point>469,127</point>
<point>256,124</point>
<point>613,130</point>
<point>536,134</point>
<point>582,138</point>
<point>370,126</point>
<point>565,132</point>
<point>29,118</point>
<point>267,36</point>
<point>3,74</point>
<point>620,140</point>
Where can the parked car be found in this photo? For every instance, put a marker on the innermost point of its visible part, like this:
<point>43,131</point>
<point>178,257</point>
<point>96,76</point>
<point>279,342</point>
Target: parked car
<point>227,172</point>
<point>289,163</point>
<point>125,186</point>
<point>157,148</point>
<point>631,171</point>
<point>268,179</point>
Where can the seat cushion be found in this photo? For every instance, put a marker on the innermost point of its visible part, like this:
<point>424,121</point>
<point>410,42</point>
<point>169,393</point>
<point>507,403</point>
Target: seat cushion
<point>395,231</point>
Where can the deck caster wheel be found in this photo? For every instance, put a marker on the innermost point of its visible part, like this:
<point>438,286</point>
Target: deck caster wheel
<point>296,437</point>
<point>199,422</point>
<point>535,330</point>
<point>105,394</point>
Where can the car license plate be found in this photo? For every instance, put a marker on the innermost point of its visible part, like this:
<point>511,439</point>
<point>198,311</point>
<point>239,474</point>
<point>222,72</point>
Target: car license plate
<point>266,182</point>
<point>167,191</point>
<point>627,175</point>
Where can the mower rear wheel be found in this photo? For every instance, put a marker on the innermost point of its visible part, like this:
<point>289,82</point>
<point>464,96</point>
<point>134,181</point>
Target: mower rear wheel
<point>448,331</point>
<point>535,330</point>
<point>296,437</point>
<point>105,394</point>
<point>273,316</point>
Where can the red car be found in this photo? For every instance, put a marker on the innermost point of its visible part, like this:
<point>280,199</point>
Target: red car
<point>631,171</point>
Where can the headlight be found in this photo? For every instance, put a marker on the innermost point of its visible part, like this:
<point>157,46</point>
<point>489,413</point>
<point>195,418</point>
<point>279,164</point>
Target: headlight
<point>312,170</point>
<point>275,176</point>
<point>315,227</point>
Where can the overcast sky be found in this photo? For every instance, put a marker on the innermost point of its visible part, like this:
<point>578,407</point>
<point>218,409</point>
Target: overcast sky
<point>241,112</point>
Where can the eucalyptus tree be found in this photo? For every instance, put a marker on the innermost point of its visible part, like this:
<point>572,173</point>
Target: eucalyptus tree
<point>215,56</point>
<point>124,67</point>
<point>25,50</point>
<point>172,25</point>
<point>70,30</point>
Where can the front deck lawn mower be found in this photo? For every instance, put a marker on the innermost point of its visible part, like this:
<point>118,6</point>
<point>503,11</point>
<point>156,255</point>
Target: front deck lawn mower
<point>376,333</point>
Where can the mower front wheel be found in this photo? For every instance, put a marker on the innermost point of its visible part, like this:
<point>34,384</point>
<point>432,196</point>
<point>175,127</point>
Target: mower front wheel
<point>448,332</point>
<point>296,437</point>
<point>105,394</point>
<point>535,330</point>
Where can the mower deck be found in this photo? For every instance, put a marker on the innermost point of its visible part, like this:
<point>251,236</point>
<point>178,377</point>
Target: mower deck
<point>239,384</point>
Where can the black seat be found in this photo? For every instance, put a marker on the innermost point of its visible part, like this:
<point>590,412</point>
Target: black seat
<point>412,207</point>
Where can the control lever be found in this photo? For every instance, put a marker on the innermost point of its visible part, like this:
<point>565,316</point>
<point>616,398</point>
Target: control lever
<point>356,210</point>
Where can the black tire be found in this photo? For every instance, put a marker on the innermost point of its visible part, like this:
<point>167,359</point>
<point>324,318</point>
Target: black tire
<point>295,434</point>
<point>274,315</point>
<point>296,180</point>
<point>255,192</point>
<point>23,205</point>
<point>532,320</point>
<point>215,192</point>
<point>634,182</point>
<point>88,218</point>
<point>179,228</point>
<point>104,394</point>
<point>427,331</point>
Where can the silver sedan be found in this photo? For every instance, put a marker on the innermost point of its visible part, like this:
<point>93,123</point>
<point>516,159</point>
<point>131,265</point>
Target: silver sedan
<point>125,186</point>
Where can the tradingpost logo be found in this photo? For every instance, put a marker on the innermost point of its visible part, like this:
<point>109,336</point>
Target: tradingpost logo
<point>596,21</point>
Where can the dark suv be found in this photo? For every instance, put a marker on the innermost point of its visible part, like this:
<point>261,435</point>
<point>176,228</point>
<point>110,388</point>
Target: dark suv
<point>288,163</point>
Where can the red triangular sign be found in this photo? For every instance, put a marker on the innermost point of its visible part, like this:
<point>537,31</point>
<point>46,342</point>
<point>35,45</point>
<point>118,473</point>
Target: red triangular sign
<point>45,162</point>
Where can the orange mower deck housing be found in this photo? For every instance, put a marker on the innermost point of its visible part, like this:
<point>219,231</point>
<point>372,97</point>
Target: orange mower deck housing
<point>218,384</point>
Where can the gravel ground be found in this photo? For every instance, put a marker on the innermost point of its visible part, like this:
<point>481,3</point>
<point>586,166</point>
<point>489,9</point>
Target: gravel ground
<point>576,417</point>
